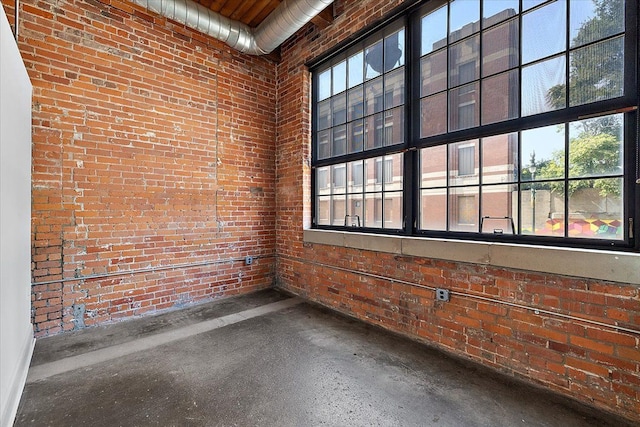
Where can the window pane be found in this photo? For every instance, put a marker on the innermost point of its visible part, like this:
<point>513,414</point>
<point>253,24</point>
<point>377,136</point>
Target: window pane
<point>393,210</point>
<point>597,72</point>
<point>355,136</point>
<point>499,209</point>
<point>394,126</point>
<point>543,202</point>
<point>596,147</point>
<point>434,72</point>
<point>389,173</point>
<point>394,89</point>
<point>324,85</point>
<point>461,14</point>
<point>356,176</point>
<point>373,101</point>
<point>466,160</point>
<point>355,209</point>
<point>495,11</point>
<point>463,209</point>
<point>463,163</point>
<point>500,48</point>
<point>339,77</point>
<point>324,144</point>
<point>433,209</point>
<point>542,153</point>
<point>393,172</point>
<point>339,107</point>
<point>543,86</point>
<point>500,97</point>
<point>323,210</point>
<point>373,60</point>
<point>322,180</point>
<point>433,113</point>
<point>589,23</point>
<point>543,31</point>
<point>464,61</point>
<point>434,30</point>
<point>463,107</point>
<point>339,141</point>
<point>500,158</point>
<point>373,174</point>
<point>356,69</point>
<point>394,51</point>
<point>339,179</point>
<point>373,210</point>
<point>595,209</point>
<point>374,131</point>
<point>324,114</point>
<point>433,166</point>
<point>338,206</point>
<point>356,103</point>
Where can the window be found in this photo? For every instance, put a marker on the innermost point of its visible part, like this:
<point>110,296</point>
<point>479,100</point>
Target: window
<point>360,113</point>
<point>466,115</point>
<point>379,174</point>
<point>388,171</point>
<point>384,174</point>
<point>466,215</point>
<point>510,131</point>
<point>339,176</point>
<point>466,160</point>
<point>356,178</point>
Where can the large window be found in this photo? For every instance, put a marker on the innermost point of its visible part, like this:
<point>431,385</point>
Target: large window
<point>520,125</point>
<point>360,114</point>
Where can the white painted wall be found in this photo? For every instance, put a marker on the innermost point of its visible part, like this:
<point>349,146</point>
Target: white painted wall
<point>16,332</point>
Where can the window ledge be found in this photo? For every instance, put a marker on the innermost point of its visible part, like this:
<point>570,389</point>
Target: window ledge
<point>596,264</point>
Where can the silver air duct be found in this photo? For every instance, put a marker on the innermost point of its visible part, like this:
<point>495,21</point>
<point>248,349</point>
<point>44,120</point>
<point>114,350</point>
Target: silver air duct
<point>285,20</point>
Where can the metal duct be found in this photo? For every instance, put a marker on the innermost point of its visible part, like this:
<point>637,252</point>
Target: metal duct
<point>285,20</point>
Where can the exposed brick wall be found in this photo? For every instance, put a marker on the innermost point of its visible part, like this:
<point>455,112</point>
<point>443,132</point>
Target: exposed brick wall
<point>491,317</point>
<point>153,154</point>
<point>10,11</point>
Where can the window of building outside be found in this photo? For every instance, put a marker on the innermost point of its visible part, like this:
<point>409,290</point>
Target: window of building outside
<point>520,125</point>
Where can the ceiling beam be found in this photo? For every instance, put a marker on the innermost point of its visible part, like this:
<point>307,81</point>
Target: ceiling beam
<point>324,18</point>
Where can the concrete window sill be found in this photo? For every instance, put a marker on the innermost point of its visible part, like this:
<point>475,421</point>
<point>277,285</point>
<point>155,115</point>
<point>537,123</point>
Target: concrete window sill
<point>595,264</point>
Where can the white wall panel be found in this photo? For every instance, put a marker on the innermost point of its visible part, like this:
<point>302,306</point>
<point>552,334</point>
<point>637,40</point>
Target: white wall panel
<point>16,332</point>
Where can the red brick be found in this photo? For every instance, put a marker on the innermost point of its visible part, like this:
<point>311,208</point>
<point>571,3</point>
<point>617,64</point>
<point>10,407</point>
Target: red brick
<point>588,367</point>
<point>109,170</point>
<point>591,345</point>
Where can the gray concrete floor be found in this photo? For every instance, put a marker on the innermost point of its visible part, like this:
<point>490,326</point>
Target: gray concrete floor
<point>266,359</point>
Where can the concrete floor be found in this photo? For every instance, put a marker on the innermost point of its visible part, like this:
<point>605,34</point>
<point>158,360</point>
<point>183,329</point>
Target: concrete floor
<point>266,359</point>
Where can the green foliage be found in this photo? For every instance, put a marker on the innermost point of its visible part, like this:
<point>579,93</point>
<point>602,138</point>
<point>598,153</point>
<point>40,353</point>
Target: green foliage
<point>590,155</point>
<point>595,72</point>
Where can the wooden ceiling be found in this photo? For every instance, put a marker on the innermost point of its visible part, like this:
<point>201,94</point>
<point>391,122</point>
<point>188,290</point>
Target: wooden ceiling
<point>253,12</point>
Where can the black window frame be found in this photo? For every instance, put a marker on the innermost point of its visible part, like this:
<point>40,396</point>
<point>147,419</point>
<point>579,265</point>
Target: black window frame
<point>410,18</point>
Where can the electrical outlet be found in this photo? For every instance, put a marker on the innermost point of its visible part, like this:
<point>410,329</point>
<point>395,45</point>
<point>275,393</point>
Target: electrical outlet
<point>248,260</point>
<point>442,295</point>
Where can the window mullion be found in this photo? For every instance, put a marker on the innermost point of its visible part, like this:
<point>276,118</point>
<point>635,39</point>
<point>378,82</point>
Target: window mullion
<point>408,176</point>
<point>566,180</point>
<point>519,185</point>
<point>480,70</point>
